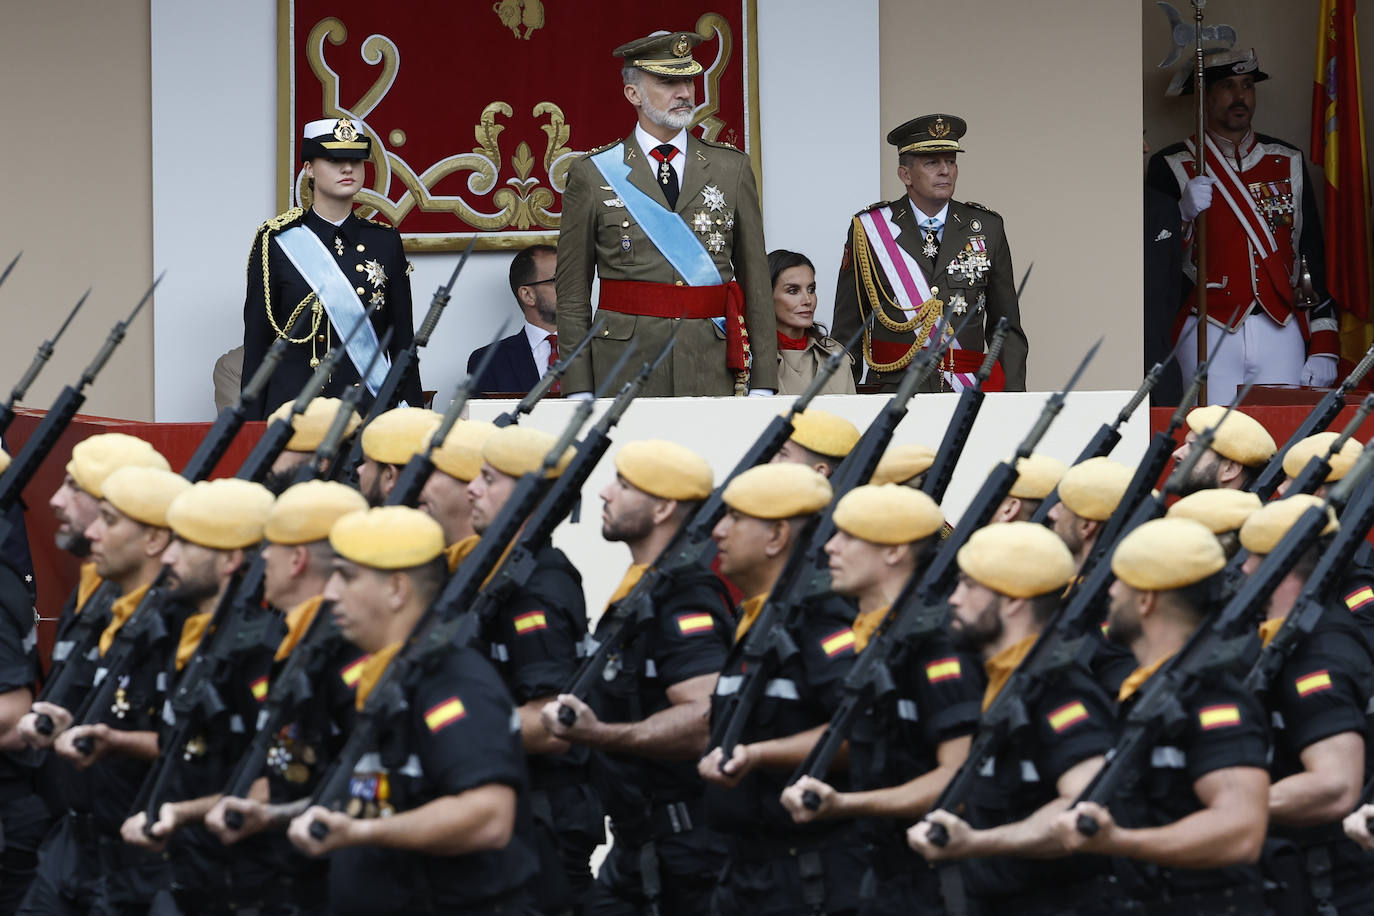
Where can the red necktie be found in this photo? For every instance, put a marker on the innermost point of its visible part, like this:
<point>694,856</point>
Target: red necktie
<point>553,358</point>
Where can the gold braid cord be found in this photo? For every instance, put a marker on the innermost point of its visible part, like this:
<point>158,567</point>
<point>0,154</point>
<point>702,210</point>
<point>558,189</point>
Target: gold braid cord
<point>311,299</point>
<point>869,290</point>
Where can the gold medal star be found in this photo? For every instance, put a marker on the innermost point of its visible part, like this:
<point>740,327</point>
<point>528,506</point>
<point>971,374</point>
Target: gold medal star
<point>376,275</point>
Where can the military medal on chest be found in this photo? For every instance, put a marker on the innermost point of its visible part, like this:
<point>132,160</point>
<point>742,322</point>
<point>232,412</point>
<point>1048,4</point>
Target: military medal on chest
<point>1274,200</point>
<point>338,246</point>
<point>712,222</point>
<point>932,246</point>
<point>972,263</point>
<point>121,705</point>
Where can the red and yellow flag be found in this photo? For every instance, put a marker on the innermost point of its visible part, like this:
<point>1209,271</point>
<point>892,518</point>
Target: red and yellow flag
<point>1338,144</point>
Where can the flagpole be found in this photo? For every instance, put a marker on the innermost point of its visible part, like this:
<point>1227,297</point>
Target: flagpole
<point>1200,225</point>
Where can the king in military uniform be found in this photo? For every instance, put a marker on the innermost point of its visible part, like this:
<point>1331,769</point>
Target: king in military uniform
<point>671,224</point>
<point>924,255</point>
<point>312,274</point>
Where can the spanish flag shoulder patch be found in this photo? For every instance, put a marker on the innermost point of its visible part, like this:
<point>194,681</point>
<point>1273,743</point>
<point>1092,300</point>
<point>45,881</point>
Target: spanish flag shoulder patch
<point>1360,598</point>
<point>691,624</point>
<point>1222,716</point>
<point>259,688</point>
<point>944,669</point>
<point>350,673</point>
<point>1067,716</point>
<point>1315,682</point>
<point>837,642</point>
<point>446,713</point>
<point>530,621</point>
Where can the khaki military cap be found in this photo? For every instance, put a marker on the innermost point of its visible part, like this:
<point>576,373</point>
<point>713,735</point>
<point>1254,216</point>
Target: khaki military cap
<point>309,428</point>
<point>389,537</point>
<point>1093,489</point>
<point>1220,510</point>
<point>824,433</point>
<point>225,514</point>
<point>888,514</point>
<point>1167,553</point>
<point>900,463</point>
<point>1036,476</point>
<point>662,53</point>
<point>143,494</point>
<point>1316,447</point>
<point>306,512</point>
<point>461,454</point>
<point>1017,559</point>
<point>665,469</point>
<point>1264,529</point>
<point>97,457</point>
<point>395,436</point>
<point>1240,438</point>
<point>932,133</point>
<point>519,450</point>
<point>773,491</point>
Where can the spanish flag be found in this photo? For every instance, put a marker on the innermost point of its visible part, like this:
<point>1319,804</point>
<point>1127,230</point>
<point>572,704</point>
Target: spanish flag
<point>445,713</point>
<point>1067,715</point>
<point>530,622</point>
<point>352,671</point>
<point>1210,717</point>
<point>1315,682</point>
<point>1359,598</point>
<point>259,688</point>
<point>837,642</point>
<point>945,669</point>
<point>689,624</point>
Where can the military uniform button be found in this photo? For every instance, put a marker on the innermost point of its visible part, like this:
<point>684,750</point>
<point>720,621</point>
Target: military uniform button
<point>362,248</point>
<point>678,283</point>
<point>320,338</point>
<point>359,268</point>
<point>361,291</point>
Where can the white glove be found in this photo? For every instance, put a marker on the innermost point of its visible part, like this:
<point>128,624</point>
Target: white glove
<point>1319,371</point>
<point>761,392</point>
<point>1197,196</point>
<point>579,395</point>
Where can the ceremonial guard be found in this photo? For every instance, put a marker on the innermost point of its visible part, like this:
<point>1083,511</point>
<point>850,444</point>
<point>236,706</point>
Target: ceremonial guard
<point>926,255</point>
<point>1193,823</point>
<point>820,440</point>
<point>671,225</point>
<point>647,720</point>
<point>329,265</point>
<point>457,462</point>
<point>1222,511</point>
<point>906,747</point>
<point>1266,263</point>
<point>775,865</point>
<point>1010,582</point>
<point>308,430</point>
<point>389,442</point>
<point>431,821</point>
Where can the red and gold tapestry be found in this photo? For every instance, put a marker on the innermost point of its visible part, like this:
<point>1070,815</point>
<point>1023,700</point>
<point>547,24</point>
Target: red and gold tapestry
<point>476,109</point>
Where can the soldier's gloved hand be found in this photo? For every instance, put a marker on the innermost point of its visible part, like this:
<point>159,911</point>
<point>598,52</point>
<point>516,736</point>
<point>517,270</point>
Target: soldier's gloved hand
<point>1319,371</point>
<point>1356,826</point>
<point>761,392</point>
<point>579,396</point>
<point>1196,197</point>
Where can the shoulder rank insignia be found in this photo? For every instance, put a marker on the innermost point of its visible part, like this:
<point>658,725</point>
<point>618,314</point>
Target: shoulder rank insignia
<point>378,222</point>
<point>282,220</point>
<point>602,148</point>
<point>871,207</point>
<point>985,209</point>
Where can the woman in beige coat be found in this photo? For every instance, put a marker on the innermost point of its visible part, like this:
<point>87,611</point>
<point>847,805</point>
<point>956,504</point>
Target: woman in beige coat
<point>803,346</point>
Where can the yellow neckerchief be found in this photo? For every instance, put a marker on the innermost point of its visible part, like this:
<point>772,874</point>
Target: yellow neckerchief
<point>376,663</point>
<point>627,584</point>
<point>89,582</point>
<point>458,551</point>
<point>749,611</point>
<point>191,633</point>
<point>298,620</point>
<point>1001,665</point>
<point>865,624</point>
<point>120,611</point>
<point>1269,628</point>
<point>1138,677</point>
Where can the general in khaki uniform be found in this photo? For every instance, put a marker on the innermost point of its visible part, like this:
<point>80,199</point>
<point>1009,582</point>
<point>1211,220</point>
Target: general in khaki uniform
<point>923,255</point>
<point>671,224</point>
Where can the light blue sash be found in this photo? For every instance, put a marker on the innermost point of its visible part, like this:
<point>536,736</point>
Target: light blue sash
<point>341,303</point>
<point>667,230</point>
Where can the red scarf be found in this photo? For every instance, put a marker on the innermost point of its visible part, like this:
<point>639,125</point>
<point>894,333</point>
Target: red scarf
<point>791,343</point>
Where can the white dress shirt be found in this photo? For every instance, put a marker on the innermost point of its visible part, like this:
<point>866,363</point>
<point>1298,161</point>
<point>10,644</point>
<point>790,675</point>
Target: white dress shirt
<point>539,346</point>
<point>648,141</point>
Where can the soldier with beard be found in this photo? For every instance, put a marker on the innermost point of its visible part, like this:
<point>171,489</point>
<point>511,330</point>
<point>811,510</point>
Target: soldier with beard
<point>1240,449</point>
<point>308,431</point>
<point>1088,495</point>
<point>389,441</point>
<point>444,497</point>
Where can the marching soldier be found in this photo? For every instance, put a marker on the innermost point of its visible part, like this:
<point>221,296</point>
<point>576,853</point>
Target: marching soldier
<point>1011,577</point>
<point>1222,511</point>
<point>647,722</point>
<point>1088,495</point>
<point>1195,822</point>
<point>328,265</point>
<point>1316,446</point>
<point>776,866</point>
<point>1240,449</point>
<point>534,639</point>
<point>389,441</point>
<point>820,440</point>
<point>906,747</point>
<point>308,431</point>
<point>1036,478</point>
<point>904,464</point>
<point>457,462</point>
<point>924,255</point>
<point>431,822</point>
<point>671,225</point>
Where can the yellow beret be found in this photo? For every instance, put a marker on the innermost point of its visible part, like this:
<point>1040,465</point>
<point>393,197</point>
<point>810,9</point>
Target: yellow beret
<point>1264,529</point>
<point>1036,476</point>
<point>94,459</point>
<point>395,436</point>
<point>1092,489</point>
<point>1018,559</point>
<point>1167,553</point>
<point>461,454</point>
<point>824,433</point>
<point>519,450</point>
<point>388,537</point>
<point>309,429</point>
<point>1240,438</point>
<point>888,514</point>
<point>1220,510</point>
<point>307,511</point>
<point>665,469</point>
<point>4,460</point>
<point>778,490</point>
<point>224,514</point>
<point>144,494</point>
<point>1316,447</point>
<point>900,463</point>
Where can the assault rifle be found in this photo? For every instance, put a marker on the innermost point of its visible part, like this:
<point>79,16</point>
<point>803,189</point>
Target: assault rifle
<point>45,350</point>
<point>941,471</point>
<point>321,463</point>
<point>1315,472</point>
<point>554,375</point>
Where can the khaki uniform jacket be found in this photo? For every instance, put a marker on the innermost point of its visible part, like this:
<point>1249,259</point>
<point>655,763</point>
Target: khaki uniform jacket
<point>964,223</point>
<point>590,240</point>
<point>796,368</point>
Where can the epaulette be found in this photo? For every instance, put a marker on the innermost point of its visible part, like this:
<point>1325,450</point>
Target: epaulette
<point>871,207</point>
<point>376,222</point>
<point>602,148</point>
<point>721,144</point>
<point>282,220</point>
<point>985,209</point>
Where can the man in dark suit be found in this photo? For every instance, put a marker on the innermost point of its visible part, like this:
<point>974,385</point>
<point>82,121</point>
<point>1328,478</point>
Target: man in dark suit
<point>522,358</point>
